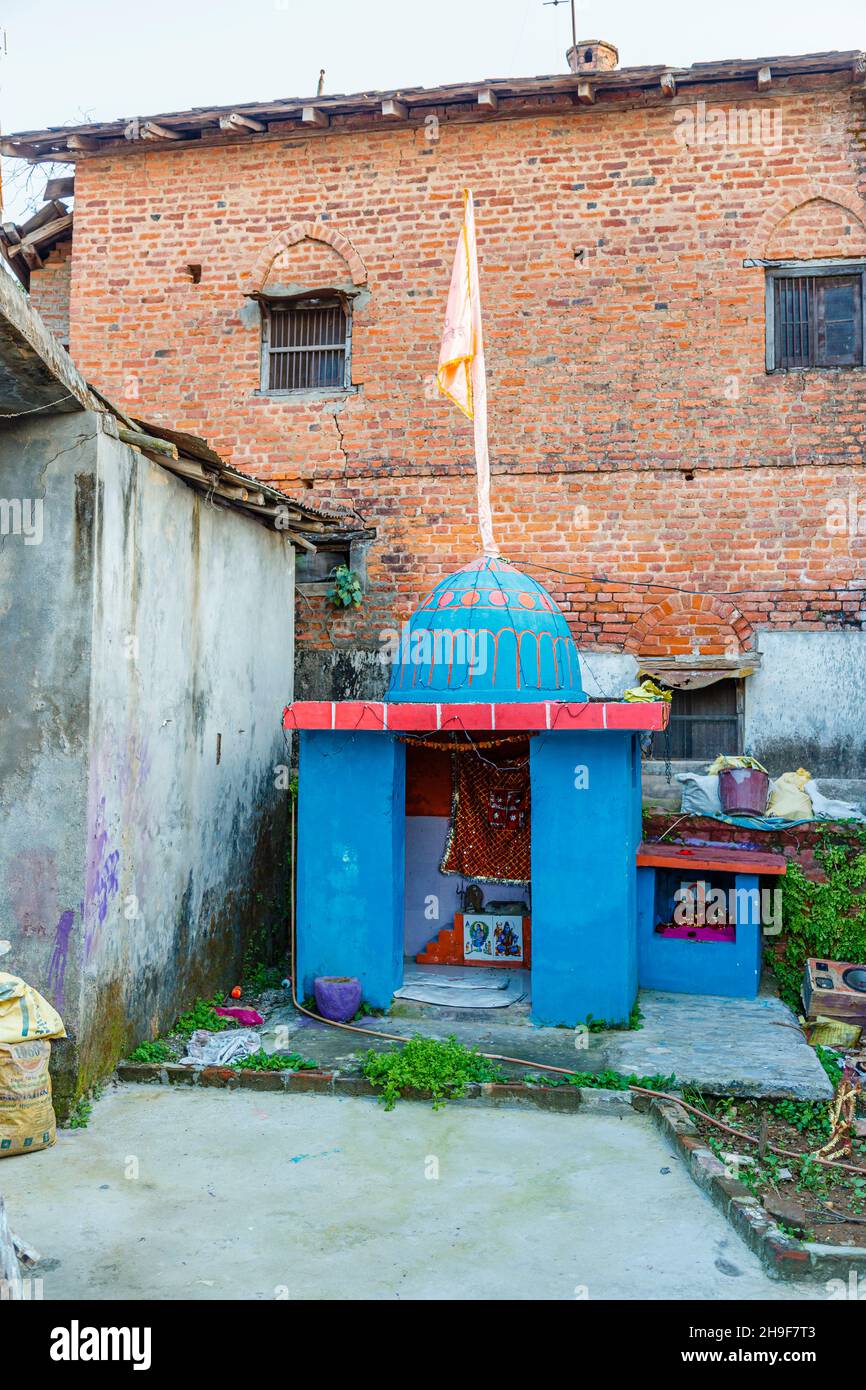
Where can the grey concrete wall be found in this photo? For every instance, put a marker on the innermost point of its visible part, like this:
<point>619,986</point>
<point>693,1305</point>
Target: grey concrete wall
<point>147,656</point>
<point>186,831</point>
<point>45,650</point>
<point>340,673</point>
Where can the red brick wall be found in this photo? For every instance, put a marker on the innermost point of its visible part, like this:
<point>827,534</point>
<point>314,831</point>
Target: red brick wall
<point>49,290</point>
<point>636,437</point>
<point>797,843</point>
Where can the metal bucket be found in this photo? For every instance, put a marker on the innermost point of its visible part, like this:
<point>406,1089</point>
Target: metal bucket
<point>744,791</point>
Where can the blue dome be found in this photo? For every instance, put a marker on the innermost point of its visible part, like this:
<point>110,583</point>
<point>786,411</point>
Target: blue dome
<point>487,633</point>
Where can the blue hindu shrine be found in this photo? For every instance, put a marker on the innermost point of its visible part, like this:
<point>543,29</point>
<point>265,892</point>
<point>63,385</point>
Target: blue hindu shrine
<point>487,655</point>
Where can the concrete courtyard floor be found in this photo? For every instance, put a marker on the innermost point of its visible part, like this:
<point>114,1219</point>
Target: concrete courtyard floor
<point>182,1194</point>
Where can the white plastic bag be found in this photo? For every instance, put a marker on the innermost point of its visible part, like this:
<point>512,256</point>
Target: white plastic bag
<point>206,1049</point>
<point>825,808</point>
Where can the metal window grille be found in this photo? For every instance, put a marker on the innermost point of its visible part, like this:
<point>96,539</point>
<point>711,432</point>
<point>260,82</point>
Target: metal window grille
<point>307,345</point>
<point>818,320</point>
<point>704,723</point>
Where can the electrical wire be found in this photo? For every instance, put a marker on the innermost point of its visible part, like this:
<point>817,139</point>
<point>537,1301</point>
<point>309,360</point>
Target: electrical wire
<point>669,588</point>
<point>17,414</point>
<point>517,1061</point>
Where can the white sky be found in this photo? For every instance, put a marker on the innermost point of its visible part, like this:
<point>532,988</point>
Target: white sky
<point>66,62</point>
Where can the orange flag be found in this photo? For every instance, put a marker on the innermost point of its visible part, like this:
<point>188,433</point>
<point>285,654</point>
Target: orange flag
<point>462,374</point>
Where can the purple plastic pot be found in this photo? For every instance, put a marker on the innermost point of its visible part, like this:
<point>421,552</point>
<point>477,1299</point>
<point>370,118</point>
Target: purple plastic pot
<point>744,791</point>
<point>337,997</point>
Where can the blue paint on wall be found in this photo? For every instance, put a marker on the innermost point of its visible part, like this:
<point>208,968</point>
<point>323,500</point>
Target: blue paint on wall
<point>729,969</point>
<point>584,876</point>
<point>351,853</point>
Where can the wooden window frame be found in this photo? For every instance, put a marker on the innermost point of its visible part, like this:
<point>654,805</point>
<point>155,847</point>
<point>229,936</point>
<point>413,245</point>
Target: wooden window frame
<point>815,270</point>
<point>738,715</point>
<point>356,548</point>
<point>267,306</point>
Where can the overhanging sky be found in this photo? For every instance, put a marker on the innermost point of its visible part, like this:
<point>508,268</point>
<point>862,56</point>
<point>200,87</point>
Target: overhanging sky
<point>103,59</point>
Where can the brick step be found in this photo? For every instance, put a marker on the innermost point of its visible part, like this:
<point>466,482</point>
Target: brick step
<point>445,949</point>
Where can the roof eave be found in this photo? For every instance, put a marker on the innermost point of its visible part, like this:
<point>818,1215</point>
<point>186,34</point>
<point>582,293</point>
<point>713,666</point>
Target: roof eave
<point>186,129</point>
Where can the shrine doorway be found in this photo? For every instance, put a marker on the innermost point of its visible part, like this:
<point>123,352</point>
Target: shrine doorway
<point>467,912</point>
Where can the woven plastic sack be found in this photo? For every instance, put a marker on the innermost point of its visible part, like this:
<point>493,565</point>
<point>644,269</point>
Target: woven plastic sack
<point>24,1014</point>
<point>700,795</point>
<point>27,1121</point>
<point>788,797</point>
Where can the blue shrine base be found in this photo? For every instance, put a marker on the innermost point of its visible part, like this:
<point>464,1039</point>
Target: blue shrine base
<point>586,821</point>
<point>731,969</point>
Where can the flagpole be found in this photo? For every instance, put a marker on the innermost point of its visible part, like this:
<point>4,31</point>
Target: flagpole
<point>479,388</point>
<point>462,374</point>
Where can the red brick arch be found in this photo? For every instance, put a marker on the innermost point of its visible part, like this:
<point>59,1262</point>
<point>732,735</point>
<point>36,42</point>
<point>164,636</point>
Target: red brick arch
<point>806,192</point>
<point>690,625</point>
<point>308,231</point>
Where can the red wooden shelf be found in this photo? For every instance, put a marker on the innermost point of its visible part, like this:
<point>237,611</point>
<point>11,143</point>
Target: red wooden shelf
<point>720,858</point>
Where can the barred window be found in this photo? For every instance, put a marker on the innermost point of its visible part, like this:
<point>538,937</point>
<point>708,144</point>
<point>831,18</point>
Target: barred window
<point>306,344</point>
<point>815,320</point>
<point>704,723</point>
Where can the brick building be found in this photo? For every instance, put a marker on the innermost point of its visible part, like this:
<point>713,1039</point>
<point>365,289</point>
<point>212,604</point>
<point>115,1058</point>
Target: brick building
<point>672,272</point>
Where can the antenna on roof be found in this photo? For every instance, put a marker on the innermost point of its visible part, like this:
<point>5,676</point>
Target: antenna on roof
<point>548,3</point>
<point>321,90</point>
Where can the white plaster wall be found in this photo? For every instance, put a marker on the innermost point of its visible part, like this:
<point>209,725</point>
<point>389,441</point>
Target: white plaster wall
<point>806,706</point>
<point>607,673</point>
<point>425,845</point>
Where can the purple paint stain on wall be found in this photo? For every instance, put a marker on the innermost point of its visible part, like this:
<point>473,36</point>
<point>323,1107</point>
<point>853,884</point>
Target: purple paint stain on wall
<point>57,964</point>
<point>101,882</point>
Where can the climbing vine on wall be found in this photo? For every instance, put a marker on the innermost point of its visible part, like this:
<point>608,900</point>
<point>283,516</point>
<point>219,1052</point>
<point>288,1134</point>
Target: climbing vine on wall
<point>826,920</point>
<point>346,591</point>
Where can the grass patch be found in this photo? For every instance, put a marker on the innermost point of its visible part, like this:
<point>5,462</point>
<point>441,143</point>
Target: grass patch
<point>601,1080</point>
<point>832,1064</point>
<point>806,1116</point>
<point>602,1025</point>
<point>79,1115</point>
<point>258,977</point>
<point>203,1015</point>
<point>441,1070</point>
<point>157,1051</point>
<point>277,1061</point>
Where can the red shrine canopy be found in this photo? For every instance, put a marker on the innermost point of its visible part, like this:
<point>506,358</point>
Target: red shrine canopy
<point>377,716</point>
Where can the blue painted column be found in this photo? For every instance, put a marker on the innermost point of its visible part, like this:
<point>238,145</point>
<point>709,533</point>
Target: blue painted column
<point>351,858</point>
<point>586,800</point>
<point>750,937</point>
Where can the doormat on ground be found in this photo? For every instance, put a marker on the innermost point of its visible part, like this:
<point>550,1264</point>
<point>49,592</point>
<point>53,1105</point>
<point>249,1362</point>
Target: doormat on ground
<point>469,988</point>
